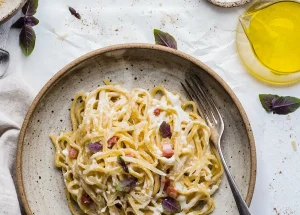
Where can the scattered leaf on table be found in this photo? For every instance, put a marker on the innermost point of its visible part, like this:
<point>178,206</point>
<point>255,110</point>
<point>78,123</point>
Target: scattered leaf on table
<point>74,13</point>
<point>27,40</point>
<point>285,105</point>
<point>164,39</point>
<point>30,20</point>
<point>30,7</point>
<point>266,101</point>
<point>72,10</point>
<point>77,15</point>
<point>279,104</point>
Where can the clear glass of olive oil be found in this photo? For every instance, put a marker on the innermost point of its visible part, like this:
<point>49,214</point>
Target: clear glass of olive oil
<point>268,41</point>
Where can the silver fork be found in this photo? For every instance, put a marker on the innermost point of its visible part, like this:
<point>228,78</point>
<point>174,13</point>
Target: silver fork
<point>209,111</point>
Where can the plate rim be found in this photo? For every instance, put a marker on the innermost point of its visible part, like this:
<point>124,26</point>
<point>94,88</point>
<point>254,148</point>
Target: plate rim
<point>60,73</point>
<point>13,12</point>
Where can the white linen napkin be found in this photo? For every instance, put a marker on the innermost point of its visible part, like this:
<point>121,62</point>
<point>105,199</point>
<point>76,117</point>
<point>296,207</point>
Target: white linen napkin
<point>15,98</point>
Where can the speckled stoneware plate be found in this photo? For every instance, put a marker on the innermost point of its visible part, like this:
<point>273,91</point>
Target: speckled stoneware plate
<point>229,3</point>
<point>131,65</point>
<point>8,8</point>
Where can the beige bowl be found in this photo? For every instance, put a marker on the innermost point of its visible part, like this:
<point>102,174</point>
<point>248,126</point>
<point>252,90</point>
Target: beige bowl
<point>229,3</point>
<point>131,65</point>
<point>8,8</point>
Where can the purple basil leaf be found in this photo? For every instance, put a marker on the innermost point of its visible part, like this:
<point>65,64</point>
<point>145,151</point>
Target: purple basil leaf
<point>30,20</point>
<point>30,7</point>
<point>266,101</point>
<point>165,130</point>
<point>27,40</point>
<point>95,147</point>
<point>19,23</point>
<point>122,164</point>
<point>171,205</point>
<point>77,15</point>
<point>164,39</point>
<point>72,11</point>
<point>285,105</point>
<point>127,184</point>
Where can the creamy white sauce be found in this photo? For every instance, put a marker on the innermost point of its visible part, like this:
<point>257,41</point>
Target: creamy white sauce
<point>170,160</point>
<point>185,150</point>
<point>178,186</point>
<point>65,152</point>
<point>175,100</point>
<point>157,210</point>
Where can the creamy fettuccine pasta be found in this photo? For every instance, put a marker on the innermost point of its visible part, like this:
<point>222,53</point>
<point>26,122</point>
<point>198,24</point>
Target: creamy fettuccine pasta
<point>135,152</point>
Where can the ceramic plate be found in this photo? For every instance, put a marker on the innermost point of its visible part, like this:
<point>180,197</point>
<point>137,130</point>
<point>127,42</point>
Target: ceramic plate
<point>132,65</point>
<point>8,8</point>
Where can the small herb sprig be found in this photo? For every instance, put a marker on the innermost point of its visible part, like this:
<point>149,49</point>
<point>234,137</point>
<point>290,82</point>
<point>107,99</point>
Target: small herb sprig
<point>164,39</point>
<point>74,13</point>
<point>279,104</point>
<point>27,36</point>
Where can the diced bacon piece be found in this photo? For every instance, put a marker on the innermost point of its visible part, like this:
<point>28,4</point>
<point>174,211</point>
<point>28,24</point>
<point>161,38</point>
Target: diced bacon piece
<point>167,150</point>
<point>112,141</point>
<point>130,154</point>
<point>156,112</point>
<point>172,192</point>
<point>86,199</point>
<point>167,183</point>
<point>73,153</point>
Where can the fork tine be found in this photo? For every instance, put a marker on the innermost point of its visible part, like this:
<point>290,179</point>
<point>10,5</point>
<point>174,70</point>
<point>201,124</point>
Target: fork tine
<point>192,97</point>
<point>212,104</point>
<point>187,92</point>
<point>196,97</point>
<point>203,98</point>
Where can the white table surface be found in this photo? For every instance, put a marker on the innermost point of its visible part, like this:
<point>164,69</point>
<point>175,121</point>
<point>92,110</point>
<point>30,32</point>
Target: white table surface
<point>203,31</point>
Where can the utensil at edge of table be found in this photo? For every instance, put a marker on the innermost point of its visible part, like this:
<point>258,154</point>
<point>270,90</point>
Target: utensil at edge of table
<point>209,112</point>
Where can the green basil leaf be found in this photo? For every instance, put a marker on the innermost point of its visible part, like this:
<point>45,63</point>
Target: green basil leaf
<point>164,39</point>
<point>30,7</point>
<point>266,101</point>
<point>27,40</point>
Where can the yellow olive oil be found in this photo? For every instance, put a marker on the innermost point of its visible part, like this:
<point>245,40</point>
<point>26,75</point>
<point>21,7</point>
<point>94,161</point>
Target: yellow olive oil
<point>274,33</point>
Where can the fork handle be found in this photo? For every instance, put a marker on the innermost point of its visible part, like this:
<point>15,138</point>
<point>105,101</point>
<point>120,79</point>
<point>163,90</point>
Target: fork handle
<point>241,204</point>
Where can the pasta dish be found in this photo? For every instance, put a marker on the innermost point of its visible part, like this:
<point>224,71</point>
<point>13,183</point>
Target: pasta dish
<point>135,152</point>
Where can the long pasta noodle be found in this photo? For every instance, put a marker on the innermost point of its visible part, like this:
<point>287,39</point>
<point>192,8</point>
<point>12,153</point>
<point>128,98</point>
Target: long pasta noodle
<point>127,124</point>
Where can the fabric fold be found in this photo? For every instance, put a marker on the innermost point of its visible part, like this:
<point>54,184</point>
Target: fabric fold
<point>15,99</point>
